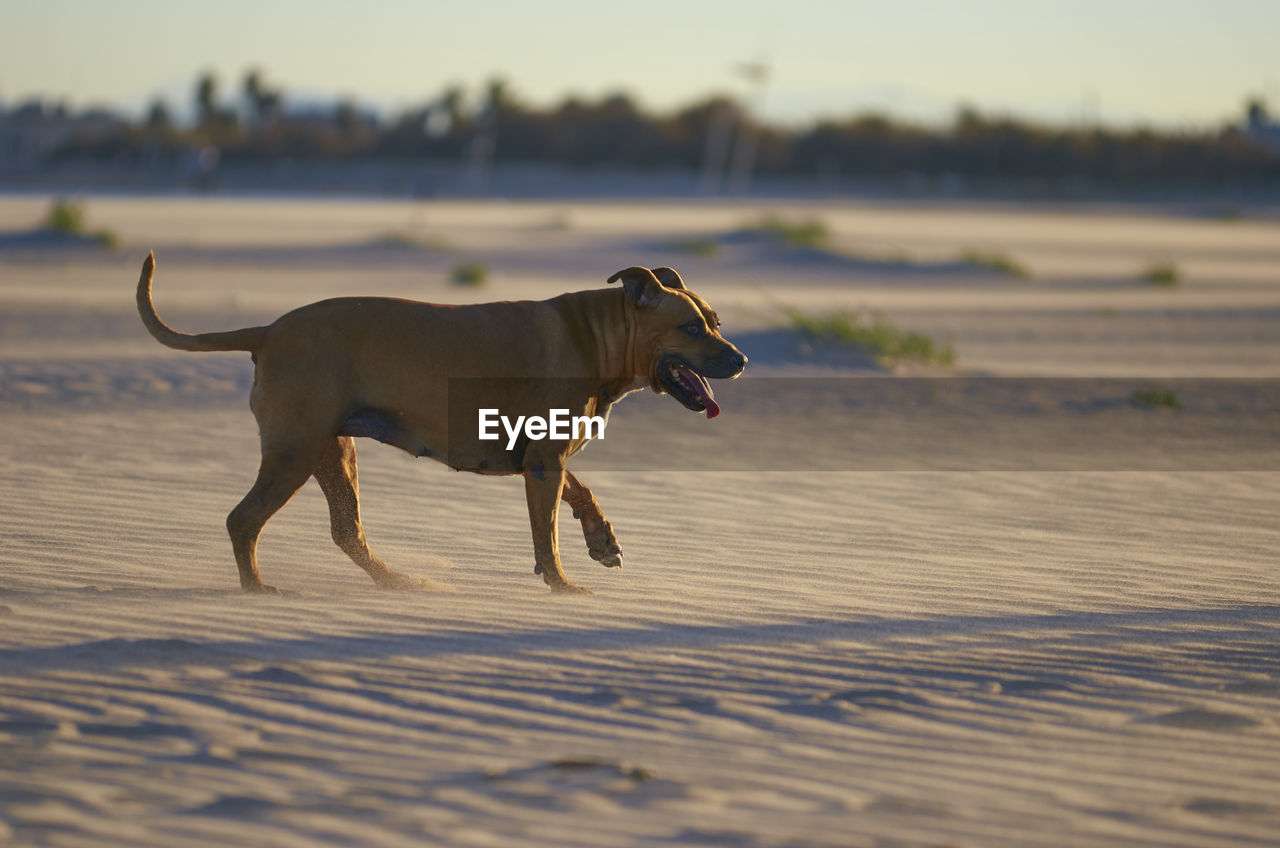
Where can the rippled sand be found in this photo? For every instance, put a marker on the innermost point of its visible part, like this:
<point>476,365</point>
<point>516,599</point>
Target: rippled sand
<point>965,606</point>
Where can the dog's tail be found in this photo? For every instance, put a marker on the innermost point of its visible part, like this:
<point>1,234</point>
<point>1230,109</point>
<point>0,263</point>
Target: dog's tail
<point>250,338</point>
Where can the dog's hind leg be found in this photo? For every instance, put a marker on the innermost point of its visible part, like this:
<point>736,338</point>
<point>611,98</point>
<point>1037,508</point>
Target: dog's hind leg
<point>602,545</point>
<point>336,474</point>
<point>280,475</point>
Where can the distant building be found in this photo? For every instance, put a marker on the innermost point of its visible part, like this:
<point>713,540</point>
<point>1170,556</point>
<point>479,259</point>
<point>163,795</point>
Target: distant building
<point>1260,127</point>
<point>33,131</point>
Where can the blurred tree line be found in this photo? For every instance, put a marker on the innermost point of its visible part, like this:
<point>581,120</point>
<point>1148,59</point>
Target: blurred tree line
<point>613,131</point>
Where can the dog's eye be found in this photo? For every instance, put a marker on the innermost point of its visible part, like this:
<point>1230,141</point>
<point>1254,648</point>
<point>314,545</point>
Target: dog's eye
<point>693,329</point>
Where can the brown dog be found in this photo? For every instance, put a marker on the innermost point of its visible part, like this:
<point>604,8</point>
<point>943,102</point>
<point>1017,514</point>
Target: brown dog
<point>416,376</point>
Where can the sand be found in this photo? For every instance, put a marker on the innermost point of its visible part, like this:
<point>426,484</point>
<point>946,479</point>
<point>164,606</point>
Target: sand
<point>997,604</point>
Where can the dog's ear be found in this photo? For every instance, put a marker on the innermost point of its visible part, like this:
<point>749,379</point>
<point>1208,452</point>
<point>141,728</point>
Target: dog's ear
<point>669,278</point>
<point>640,284</point>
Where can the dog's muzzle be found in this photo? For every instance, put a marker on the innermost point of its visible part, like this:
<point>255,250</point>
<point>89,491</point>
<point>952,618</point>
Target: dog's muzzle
<point>678,377</point>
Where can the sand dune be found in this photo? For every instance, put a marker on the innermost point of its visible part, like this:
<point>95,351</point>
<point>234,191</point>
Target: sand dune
<point>970,606</point>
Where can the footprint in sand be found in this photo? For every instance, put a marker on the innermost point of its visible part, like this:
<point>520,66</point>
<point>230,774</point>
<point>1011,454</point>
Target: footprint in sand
<point>1253,687</point>
<point>1225,808</point>
<point>1029,687</point>
<point>1202,719</point>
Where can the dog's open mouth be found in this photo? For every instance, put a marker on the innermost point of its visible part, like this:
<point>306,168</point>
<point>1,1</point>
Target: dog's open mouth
<point>687,386</point>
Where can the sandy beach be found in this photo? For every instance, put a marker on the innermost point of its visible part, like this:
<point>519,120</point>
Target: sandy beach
<point>996,603</point>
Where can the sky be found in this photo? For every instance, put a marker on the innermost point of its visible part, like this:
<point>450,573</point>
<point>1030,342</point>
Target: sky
<point>1121,62</point>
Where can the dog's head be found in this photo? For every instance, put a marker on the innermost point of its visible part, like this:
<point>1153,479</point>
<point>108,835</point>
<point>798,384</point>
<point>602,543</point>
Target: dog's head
<point>678,341</point>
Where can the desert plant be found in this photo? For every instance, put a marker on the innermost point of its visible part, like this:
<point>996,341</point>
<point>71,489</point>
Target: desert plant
<point>1161,274</point>
<point>399,238</point>
<point>870,332</point>
<point>1155,397</point>
<point>561,220</point>
<point>703,247</point>
<point>809,232</point>
<point>67,218</point>
<point>1001,263</point>
<point>469,274</point>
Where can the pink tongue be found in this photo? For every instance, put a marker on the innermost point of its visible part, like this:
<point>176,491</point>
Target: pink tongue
<point>696,385</point>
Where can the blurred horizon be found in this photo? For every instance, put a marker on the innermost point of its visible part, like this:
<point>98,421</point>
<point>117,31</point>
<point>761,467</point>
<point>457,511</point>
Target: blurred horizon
<point>1170,65</point>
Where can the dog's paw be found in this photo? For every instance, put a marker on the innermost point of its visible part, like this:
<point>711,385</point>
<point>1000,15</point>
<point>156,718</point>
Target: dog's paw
<point>605,550</point>
<point>567,588</point>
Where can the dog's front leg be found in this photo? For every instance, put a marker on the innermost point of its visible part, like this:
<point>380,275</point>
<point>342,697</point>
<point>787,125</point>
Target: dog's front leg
<point>602,545</point>
<point>543,483</point>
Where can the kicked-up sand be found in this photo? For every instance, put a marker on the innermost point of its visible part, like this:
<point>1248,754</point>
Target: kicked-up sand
<point>1001,603</point>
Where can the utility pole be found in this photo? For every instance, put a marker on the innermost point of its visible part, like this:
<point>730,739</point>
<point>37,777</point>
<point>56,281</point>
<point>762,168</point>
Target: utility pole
<point>716,153</point>
<point>744,153</point>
